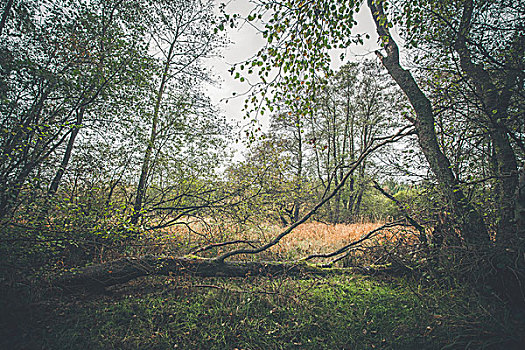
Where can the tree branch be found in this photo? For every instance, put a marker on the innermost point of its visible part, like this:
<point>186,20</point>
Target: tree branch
<point>393,138</point>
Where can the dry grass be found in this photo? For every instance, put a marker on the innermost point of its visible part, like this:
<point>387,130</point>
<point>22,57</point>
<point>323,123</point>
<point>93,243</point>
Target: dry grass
<point>331,235</point>
<point>322,238</point>
<point>315,237</point>
<point>309,238</point>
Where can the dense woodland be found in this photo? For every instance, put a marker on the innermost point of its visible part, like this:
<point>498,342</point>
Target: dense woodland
<point>115,165</point>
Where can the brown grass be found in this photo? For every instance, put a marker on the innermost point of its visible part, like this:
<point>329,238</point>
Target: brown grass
<point>316,237</point>
<point>319,237</point>
<point>308,238</point>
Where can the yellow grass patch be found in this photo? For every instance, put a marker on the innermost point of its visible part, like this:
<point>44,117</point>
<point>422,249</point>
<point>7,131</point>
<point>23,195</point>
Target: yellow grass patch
<point>308,238</point>
<point>316,237</point>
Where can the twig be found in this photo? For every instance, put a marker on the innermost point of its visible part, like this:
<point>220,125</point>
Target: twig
<point>222,244</point>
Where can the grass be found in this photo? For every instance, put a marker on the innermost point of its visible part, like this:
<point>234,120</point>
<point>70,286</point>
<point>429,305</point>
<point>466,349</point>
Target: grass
<point>344,312</point>
<point>324,238</point>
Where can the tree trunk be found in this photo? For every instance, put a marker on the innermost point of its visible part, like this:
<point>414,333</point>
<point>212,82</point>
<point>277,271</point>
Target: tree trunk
<point>5,15</point>
<point>471,223</point>
<point>520,203</point>
<point>495,105</point>
<point>145,171</point>
<point>98,277</point>
<point>299,175</point>
<point>53,188</point>
<point>10,191</point>
<point>507,176</point>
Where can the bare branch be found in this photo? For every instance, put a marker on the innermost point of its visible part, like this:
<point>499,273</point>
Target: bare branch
<point>216,245</point>
<point>401,207</point>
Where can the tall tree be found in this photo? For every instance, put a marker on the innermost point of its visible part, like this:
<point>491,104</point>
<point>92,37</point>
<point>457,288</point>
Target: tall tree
<point>483,45</point>
<point>358,105</point>
<point>183,37</point>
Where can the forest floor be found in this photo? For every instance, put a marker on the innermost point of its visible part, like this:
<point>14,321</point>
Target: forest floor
<point>183,312</point>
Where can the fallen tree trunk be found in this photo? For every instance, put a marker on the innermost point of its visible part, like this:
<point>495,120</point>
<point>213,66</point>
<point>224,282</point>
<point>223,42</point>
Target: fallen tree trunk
<point>100,276</point>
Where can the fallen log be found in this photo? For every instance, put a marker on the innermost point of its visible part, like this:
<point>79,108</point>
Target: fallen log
<point>98,277</point>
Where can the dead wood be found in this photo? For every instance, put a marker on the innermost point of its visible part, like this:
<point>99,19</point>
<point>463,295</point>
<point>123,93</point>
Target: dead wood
<point>100,276</point>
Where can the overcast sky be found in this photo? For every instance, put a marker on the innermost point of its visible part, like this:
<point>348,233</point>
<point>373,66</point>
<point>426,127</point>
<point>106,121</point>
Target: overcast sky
<point>246,41</point>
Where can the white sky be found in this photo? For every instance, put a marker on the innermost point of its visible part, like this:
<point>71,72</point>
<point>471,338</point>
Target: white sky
<point>246,41</point>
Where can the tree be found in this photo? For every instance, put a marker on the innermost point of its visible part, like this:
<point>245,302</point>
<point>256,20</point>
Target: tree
<point>60,59</point>
<point>358,105</point>
<point>266,183</point>
<point>182,36</point>
<point>473,227</point>
<point>77,82</point>
<point>287,129</point>
<point>117,53</point>
<point>484,49</point>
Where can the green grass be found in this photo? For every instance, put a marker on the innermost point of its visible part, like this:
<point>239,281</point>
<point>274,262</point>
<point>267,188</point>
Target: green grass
<point>344,312</point>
